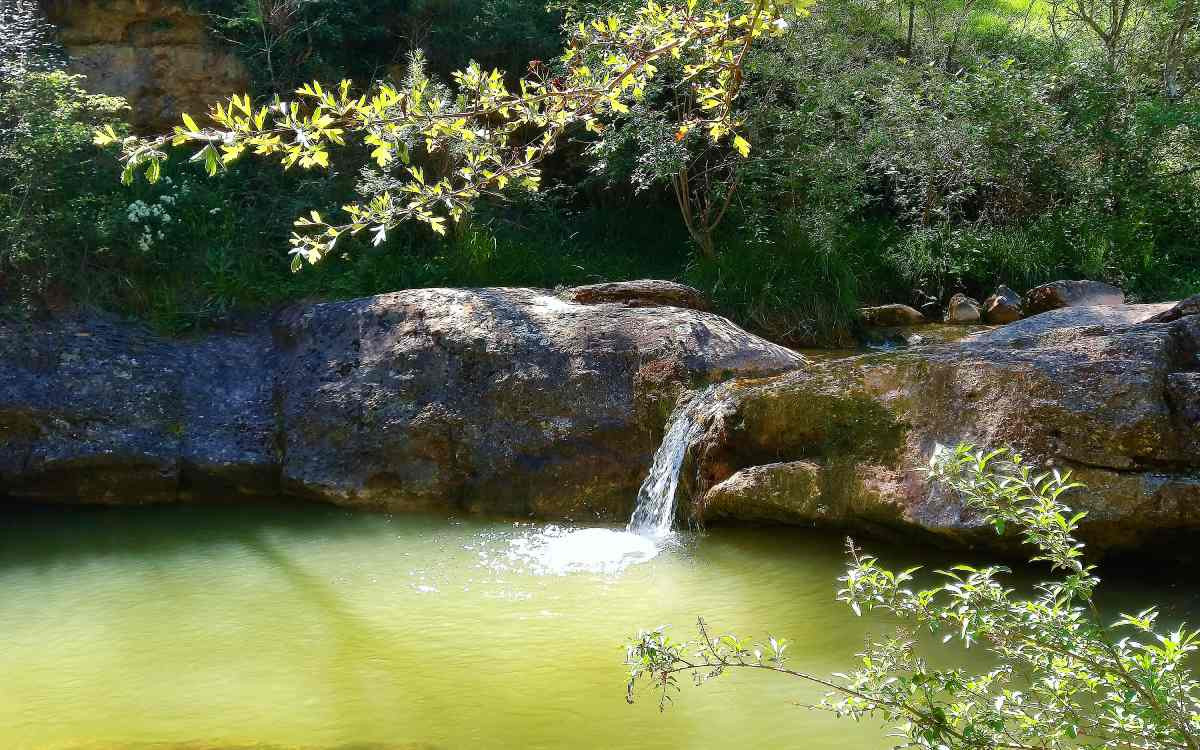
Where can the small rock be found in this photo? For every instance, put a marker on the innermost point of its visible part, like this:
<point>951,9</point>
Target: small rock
<point>640,293</point>
<point>962,309</point>
<point>788,492</point>
<point>1004,306</point>
<point>891,315</point>
<point>1082,293</point>
<point>1183,308</point>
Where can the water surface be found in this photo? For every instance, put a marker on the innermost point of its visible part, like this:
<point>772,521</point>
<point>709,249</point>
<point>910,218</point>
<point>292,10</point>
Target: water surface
<point>318,627</point>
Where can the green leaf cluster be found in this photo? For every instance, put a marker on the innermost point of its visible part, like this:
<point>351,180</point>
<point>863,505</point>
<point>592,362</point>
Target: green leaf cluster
<point>1063,678</point>
<point>484,136</point>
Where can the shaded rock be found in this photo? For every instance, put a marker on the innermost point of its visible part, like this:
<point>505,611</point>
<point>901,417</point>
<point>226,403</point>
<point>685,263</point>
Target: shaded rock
<point>891,315</point>
<point>89,412</point>
<point>502,400</point>
<point>641,293</point>
<point>1085,389</point>
<point>1183,396</point>
<point>227,424</point>
<point>155,53</point>
<point>1003,306</point>
<point>962,309</point>
<point>506,400</point>
<point>1058,294</point>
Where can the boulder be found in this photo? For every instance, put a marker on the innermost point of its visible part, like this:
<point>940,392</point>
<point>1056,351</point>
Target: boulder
<point>803,491</point>
<point>641,293</point>
<point>499,400</point>
<point>1059,294</point>
<point>1003,306</point>
<point>962,309</point>
<point>507,400</point>
<point>1096,391</point>
<point>891,315</point>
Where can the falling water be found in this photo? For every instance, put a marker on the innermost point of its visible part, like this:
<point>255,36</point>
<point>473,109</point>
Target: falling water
<point>655,508</point>
<point>554,550</point>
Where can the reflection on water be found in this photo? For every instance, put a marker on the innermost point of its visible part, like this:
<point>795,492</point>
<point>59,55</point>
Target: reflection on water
<point>318,628</point>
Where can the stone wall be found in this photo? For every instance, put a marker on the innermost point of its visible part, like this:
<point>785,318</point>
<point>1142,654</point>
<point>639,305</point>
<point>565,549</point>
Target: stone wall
<point>155,53</point>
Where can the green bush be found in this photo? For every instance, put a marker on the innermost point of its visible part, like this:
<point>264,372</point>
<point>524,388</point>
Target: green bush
<point>1060,675</point>
<point>988,151</point>
<point>55,197</point>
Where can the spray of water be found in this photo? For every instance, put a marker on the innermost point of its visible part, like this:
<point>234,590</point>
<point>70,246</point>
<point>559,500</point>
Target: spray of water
<point>654,512</point>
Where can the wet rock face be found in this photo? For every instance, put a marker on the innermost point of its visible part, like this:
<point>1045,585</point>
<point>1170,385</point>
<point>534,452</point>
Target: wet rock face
<point>1093,390</point>
<point>1058,294</point>
<point>503,400</point>
<point>155,53</point>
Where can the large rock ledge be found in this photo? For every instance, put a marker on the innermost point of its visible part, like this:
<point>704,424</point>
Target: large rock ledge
<point>523,401</point>
<point>1102,391</point>
<point>505,400</point>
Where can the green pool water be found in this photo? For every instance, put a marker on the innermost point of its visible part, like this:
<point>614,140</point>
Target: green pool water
<point>215,627</point>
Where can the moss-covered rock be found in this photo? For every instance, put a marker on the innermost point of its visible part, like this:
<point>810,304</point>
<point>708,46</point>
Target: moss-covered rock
<point>1101,392</point>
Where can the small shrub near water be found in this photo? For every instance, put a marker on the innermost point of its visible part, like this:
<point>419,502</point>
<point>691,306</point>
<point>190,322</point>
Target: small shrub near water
<point>1063,677</point>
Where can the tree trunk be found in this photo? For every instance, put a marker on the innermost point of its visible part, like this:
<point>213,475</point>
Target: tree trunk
<point>912,10</point>
<point>1176,41</point>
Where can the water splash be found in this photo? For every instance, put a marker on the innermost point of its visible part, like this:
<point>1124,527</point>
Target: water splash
<point>654,512</point>
<point>554,550</point>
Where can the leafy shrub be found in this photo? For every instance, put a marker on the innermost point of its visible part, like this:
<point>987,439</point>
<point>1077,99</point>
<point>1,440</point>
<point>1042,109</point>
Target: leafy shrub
<point>1061,677</point>
<point>48,175</point>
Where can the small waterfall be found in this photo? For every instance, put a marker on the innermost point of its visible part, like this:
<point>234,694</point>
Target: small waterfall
<point>655,509</point>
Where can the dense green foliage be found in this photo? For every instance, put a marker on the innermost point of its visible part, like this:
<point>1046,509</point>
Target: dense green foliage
<point>1060,676</point>
<point>289,42</point>
<point>55,191</point>
<point>437,150</point>
<point>993,143</point>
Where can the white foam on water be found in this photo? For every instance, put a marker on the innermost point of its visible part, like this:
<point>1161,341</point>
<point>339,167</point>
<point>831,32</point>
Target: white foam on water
<point>554,550</point>
<point>557,550</point>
